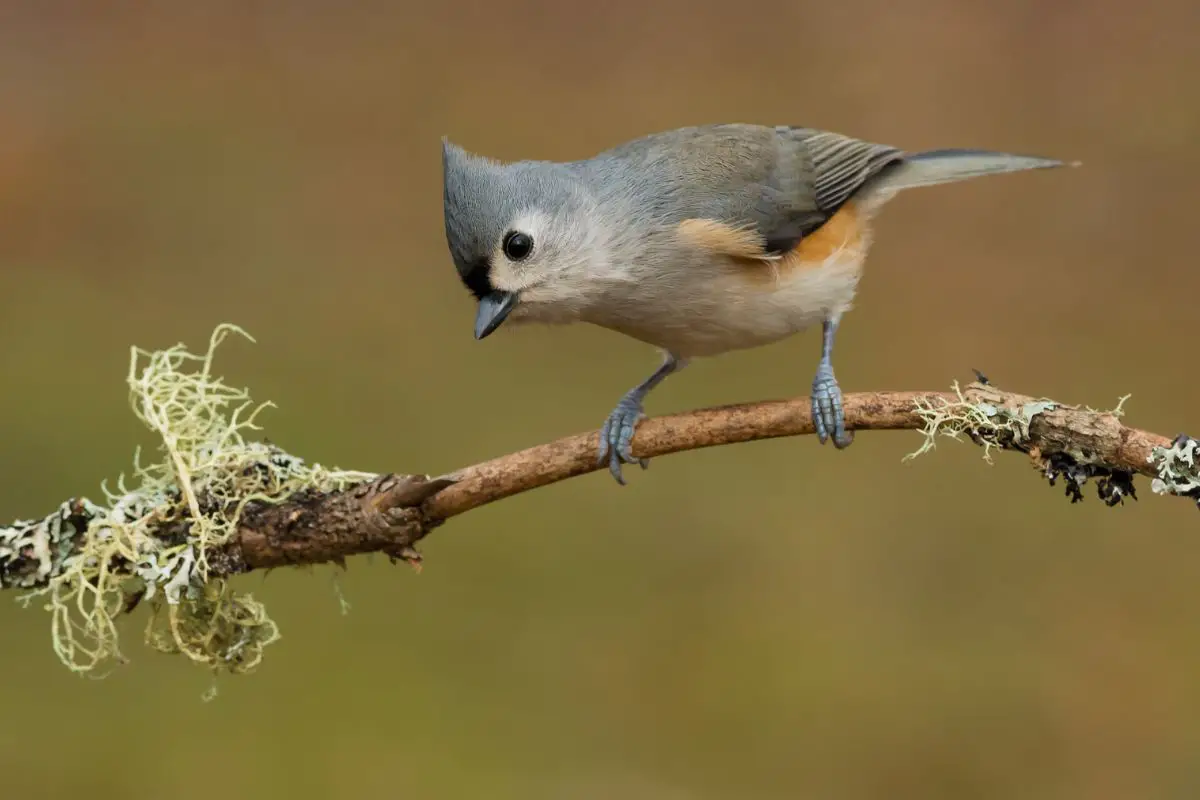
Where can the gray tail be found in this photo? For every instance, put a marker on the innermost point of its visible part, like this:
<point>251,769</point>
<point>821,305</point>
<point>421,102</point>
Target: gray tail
<point>947,166</point>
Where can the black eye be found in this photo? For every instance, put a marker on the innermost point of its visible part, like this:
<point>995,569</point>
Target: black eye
<point>517,246</point>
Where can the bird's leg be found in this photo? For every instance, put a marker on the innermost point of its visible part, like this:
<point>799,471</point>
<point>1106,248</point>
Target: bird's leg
<point>828,416</point>
<point>616,437</point>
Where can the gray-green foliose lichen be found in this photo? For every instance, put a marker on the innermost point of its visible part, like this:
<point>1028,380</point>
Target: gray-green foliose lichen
<point>32,551</point>
<point>1178,468</point>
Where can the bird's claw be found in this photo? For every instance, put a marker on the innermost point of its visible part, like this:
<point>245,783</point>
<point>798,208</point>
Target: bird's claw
<point>616,438</point>
<point>829,418</point>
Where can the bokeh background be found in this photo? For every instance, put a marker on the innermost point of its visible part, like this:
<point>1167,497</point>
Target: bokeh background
<point>775,620</point>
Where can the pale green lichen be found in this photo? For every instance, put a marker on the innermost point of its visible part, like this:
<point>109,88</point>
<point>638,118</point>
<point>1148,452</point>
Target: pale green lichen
<point>1118,411</point>
<point>990,425</point>
<point>1178,468</point>
<point>153,539</point>
<point>1008,428</point>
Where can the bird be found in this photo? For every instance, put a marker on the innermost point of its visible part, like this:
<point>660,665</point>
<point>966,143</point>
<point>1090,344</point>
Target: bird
<point>699,241</point>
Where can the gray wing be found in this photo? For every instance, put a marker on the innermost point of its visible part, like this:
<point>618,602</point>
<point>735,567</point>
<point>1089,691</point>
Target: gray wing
<point>816,173</point>
<point>783,182</point>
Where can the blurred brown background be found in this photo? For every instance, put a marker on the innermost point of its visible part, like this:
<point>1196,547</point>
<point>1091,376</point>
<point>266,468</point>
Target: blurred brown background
<point>775,620</point>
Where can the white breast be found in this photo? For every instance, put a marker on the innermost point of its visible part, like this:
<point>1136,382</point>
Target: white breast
<point>709,312</point>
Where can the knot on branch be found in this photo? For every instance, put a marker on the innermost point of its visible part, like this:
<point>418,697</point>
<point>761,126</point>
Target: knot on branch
<point>312,526</point>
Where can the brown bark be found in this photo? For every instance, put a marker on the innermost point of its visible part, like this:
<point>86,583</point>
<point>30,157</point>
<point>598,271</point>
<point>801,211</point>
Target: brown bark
<point>1097,438</point>
<point>390,517</point>
<point>391,513</point>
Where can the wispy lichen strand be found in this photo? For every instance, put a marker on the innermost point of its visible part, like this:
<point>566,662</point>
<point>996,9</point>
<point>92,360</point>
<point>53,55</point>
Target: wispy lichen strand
<point>152,539</point>
<point>991,425</point>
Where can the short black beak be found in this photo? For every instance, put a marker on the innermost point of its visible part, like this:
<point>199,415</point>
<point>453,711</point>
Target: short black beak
<point>493,308</point>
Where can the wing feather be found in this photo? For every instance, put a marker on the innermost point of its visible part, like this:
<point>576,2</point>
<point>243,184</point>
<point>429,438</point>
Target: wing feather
<point>809,176</point>
<point>751,191</point>
<point>842,165</point>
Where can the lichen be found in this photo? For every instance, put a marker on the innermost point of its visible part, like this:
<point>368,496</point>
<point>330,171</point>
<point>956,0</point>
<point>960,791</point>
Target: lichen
<point>1007,428</point>
<point>1112,485</point>
<point>33,550</point>
<point>1178,468</point>
<point>153,537</point>
<point>988,425</point>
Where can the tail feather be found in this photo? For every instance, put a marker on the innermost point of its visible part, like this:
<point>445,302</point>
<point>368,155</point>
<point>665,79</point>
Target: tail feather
<point>947,166</point>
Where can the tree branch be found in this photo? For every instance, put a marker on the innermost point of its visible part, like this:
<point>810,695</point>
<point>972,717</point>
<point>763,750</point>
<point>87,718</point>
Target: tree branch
<point>150,543</point>
<point>1101,436</point>
<point>392,514</point>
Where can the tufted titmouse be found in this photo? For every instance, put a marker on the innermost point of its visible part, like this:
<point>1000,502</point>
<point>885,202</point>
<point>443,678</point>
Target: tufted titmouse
<point>699,241</point>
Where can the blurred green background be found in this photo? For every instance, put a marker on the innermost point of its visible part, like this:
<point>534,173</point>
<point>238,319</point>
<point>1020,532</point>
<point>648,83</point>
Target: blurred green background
<point>775,620</point>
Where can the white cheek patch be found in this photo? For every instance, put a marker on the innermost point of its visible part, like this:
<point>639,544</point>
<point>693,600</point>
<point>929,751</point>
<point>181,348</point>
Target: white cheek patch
<point>502,276</point>
<point>507,276</point>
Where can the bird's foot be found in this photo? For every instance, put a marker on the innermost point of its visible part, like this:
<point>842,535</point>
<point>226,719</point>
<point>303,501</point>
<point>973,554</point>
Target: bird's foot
<point>616,437</point>
<point>828,415</point>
